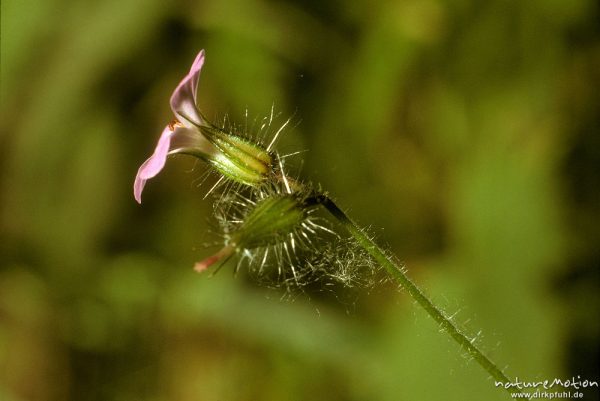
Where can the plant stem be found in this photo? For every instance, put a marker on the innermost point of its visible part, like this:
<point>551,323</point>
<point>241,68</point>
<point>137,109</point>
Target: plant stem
<point>415,292</point>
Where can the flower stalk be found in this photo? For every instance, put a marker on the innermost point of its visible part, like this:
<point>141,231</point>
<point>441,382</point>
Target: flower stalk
<point>413,290</point>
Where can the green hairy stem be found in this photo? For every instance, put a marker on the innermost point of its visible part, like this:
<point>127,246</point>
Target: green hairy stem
<point>415,292</point>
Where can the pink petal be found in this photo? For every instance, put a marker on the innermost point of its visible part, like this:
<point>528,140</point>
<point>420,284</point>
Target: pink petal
<point>174,139</point>
<point>183,99</point>
<point>156,162</point>
<point>153,165</point>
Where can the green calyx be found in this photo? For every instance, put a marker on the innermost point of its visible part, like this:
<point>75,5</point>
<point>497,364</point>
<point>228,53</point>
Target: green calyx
<point>270,221</point>
<point>238,158</point>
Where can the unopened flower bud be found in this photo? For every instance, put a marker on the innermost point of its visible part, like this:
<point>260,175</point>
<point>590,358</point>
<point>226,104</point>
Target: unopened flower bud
<point>271,221</point>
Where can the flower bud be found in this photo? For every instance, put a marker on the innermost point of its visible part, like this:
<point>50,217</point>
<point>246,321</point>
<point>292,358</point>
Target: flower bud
<point>270,222</point>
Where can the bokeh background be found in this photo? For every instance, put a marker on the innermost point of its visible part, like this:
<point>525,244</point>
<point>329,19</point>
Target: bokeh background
<point>463,133</point>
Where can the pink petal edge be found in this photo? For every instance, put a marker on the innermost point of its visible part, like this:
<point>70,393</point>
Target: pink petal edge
<point>183,99</point>
<point>196,67</point>
<point>153,165</point>
<point>138,187</point>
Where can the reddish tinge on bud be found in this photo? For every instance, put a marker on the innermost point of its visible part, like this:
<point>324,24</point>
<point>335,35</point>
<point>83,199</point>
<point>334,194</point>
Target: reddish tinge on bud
<point>270,221</point>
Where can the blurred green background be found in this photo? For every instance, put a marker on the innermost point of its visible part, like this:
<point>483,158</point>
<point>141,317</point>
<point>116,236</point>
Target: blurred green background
<point>464,133</point>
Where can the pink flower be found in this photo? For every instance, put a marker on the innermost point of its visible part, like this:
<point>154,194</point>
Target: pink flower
<point>235,157</point>
<point>181,136</point>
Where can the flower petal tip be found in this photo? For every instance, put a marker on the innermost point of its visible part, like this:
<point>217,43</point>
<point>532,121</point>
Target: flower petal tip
<point>153,165</point>
<point>208,262</point>
<point>211,260</point>
<point>198,62</point>
<point>138,187</point>
<point>201,266</point>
